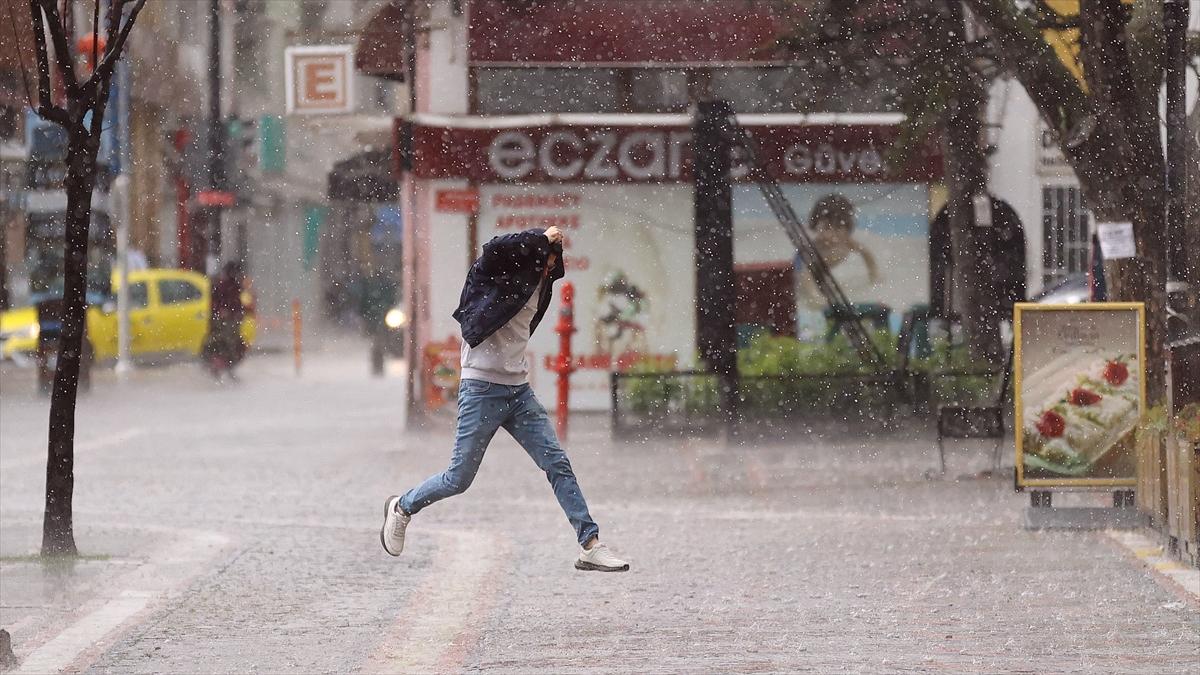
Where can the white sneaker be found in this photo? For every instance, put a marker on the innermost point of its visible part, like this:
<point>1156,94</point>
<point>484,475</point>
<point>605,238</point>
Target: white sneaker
<point>599,559</point>
<point>391,535</point>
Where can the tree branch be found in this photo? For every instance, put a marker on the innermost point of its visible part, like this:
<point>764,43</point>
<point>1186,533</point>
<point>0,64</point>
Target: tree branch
<point>62,50</point>
<point>112,51</point>
<point>95,31</point>
<point>46,107</point>
<point>1023,52</point>
<point>43,59</point>
<point>1048,19</point>
<point>1147,47</point>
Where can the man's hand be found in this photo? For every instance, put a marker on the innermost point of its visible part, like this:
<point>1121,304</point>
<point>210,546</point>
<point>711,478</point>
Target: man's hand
<point>554,235</point>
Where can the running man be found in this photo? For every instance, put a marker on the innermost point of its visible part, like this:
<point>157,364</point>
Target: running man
<point>505,296</point>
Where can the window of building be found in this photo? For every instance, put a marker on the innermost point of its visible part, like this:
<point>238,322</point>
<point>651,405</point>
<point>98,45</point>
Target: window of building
<point>765,89</point>
<point>175,291</point>
<point>1066,232</point>
<point>655,90</point>
<point>509,91</point>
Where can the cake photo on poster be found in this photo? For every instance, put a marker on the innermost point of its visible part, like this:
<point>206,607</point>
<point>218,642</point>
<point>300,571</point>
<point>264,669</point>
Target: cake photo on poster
<point>1080,387</point>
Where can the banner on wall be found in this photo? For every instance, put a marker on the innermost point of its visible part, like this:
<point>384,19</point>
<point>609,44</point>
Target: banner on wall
<point>873,237</point>
<point>1080,390</point>
<point>600,149</point>
<point>629,250</point>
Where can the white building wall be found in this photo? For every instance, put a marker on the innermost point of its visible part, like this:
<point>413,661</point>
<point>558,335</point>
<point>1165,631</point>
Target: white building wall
<point>1018,169</point>
<point>1015,174</point>
<point>447,263</point>
<point>446,89</point>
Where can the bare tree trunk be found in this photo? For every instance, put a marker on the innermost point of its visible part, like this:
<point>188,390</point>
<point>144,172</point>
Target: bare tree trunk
<point>58,536</point>
<point>1130,183</point>
<point>967,176</point>
<point>1109,131</point>
<point>84,97</point>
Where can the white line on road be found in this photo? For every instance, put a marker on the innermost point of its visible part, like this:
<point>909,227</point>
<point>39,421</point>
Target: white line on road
<point>434,626</point>
<point>60,651</point>
<point>167,568</point>
<point>85,446</point>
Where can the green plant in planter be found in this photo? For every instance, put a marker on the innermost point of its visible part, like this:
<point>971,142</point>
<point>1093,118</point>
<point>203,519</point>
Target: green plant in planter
<point>652,396</point>
<point>1187,423</point>
<point>959,389</point>
<point>781,376</point>
<point>1153,423</point>
<point>702,396</point>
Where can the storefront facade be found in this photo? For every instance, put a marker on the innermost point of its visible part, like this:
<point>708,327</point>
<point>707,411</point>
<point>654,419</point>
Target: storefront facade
<point>524,119</point>
<point>619,187</point>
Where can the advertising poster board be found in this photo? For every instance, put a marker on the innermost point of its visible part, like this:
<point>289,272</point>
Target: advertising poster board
<point>874,237</point>
<point>629,252</point>
<point>1079,391</point>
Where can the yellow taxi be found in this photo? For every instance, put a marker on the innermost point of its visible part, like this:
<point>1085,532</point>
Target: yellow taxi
<point>168,314</point>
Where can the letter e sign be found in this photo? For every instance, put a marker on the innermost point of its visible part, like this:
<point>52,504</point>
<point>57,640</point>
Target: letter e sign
<point>320,79</point>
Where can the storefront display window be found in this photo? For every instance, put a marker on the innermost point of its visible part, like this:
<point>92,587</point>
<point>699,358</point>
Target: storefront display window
<point>501,91</point>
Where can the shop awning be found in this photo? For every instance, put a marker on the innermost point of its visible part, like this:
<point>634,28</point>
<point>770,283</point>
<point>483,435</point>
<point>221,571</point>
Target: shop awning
<point>625,33</point>
<point>380,51</point>
<point>366,177</point>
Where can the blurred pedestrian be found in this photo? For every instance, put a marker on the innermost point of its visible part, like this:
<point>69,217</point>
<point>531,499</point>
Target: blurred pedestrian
<point>224,347</point>
<point>505,296</point>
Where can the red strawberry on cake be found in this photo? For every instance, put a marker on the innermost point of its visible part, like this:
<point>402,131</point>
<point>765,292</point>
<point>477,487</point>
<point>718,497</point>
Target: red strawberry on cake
<point>1115,373</point>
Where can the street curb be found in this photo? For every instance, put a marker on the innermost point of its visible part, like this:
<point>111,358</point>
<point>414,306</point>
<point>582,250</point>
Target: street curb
<point>1178,577</point>
<point>96,624</point>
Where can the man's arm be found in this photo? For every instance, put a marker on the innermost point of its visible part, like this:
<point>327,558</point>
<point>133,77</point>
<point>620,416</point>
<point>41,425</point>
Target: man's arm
<point>509,245</point>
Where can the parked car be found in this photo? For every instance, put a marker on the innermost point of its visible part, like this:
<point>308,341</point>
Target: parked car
<point>1070,290</point>
<point>1074,289</point>
<point>168,314</point>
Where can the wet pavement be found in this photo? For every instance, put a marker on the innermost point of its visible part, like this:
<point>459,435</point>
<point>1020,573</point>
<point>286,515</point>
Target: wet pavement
<point>235,528</point>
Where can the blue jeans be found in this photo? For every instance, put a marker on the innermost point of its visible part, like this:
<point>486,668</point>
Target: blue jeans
<point>483,408</point>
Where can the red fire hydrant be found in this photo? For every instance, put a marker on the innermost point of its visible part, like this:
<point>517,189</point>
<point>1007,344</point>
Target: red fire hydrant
<point>563,365</point>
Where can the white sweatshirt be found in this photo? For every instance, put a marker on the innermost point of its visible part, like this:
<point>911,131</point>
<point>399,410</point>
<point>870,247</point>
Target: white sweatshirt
<point>500,359</point>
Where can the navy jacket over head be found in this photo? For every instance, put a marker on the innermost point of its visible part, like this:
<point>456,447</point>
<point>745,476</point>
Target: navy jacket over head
<point>503,279</point>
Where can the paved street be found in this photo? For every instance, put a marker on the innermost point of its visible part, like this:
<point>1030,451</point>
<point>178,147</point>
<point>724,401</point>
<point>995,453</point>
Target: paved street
<point>234,528</point>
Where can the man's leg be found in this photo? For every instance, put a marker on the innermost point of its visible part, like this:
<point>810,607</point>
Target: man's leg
<point>530,425</point>
<point>482,406</point>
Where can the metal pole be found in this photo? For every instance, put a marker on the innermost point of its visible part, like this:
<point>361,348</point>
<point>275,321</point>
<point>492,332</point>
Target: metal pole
<point>563,365</point>
<point>297,335</point>
<point>414,412</point>
<point>716,331</point>
<point>120,200</point>
<point>216,169</point>
<point>1175,21</point>
<point>122,210</point>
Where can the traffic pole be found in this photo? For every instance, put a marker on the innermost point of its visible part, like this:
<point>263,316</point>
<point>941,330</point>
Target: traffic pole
<point>565,328</point>
<point>119,198</point>
<point>297,332</point>
<point>216,145</point>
